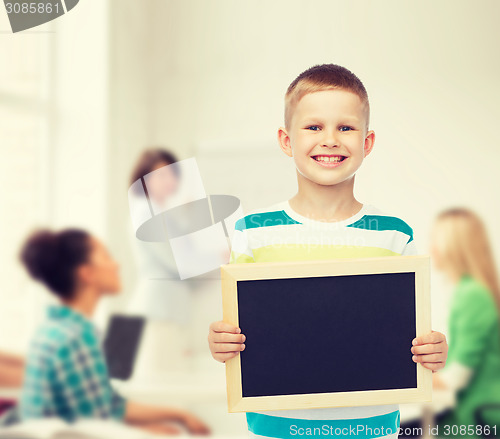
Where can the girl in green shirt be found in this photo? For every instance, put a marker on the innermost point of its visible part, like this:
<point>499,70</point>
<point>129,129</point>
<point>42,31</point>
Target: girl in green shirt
<point>461,250</point>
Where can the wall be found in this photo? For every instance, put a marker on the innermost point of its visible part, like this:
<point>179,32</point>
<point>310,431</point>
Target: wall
<point>218,71</point>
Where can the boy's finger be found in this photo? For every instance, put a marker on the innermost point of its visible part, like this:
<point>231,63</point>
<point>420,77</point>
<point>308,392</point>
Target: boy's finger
<point>433,366</point>
<point>432,348</point>
<point>225,337</point>
<point>429,358</point>
<point>224,327</point>
<point>432,337</point>
<point>228,347</point>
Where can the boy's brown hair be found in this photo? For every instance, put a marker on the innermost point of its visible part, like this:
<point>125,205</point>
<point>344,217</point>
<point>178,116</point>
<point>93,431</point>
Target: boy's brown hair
<point>324,77</point>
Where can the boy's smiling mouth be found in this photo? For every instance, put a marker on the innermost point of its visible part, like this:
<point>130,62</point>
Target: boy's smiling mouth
<point>329,160</point>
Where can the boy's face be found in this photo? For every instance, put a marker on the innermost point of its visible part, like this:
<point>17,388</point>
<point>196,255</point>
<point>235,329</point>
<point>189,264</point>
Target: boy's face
<point>327,136</point>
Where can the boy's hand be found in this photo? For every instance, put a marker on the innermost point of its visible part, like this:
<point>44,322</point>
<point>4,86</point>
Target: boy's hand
<point>430,350</point>
<point>225,341</point>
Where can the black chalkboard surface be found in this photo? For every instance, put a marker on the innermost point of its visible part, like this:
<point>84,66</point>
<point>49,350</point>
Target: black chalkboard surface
<point>327,340</point>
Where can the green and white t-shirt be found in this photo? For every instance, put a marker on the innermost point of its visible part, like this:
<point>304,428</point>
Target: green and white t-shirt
<point>278,233</point>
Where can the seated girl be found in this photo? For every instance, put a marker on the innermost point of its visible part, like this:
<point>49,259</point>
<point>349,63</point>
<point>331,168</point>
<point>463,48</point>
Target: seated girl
<point>66,374</point>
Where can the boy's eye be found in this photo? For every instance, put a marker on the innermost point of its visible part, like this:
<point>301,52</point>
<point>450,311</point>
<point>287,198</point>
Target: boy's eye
<point>345,128</point>
<point>313,128</point>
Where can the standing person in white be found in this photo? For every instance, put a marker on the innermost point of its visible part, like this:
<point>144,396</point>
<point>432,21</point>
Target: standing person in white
<point>160,295</point>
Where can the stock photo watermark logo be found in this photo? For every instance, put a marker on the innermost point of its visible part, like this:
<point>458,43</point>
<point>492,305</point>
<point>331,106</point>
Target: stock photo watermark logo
<point>26,14</point>
<point>169,207</point>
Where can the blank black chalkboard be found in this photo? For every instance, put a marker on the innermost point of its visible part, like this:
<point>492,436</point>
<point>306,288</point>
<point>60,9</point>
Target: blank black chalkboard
<point>327,333</point>
<point>324,334</point>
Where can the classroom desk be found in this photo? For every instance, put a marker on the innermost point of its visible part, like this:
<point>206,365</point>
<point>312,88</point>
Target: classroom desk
<point>203,391</point>
<point>210,405</point>
<point>93,429</point>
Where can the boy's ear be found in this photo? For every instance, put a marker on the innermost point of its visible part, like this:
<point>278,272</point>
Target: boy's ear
<point>284,141</point>
<point>369,141</point>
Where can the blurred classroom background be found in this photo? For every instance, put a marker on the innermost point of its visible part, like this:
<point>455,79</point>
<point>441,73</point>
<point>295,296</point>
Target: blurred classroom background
<point>81,97</point>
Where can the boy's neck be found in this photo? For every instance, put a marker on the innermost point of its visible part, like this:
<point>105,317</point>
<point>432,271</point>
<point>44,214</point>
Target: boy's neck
<point>325,203</point>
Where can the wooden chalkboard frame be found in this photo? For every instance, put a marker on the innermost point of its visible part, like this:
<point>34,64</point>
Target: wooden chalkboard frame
<point>232,273</point>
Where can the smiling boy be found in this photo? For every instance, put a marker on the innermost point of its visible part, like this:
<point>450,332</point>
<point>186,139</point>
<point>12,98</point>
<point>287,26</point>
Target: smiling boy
<point>326,133</point>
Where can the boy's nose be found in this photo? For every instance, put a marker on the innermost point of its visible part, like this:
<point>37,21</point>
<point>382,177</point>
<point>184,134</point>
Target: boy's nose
<point>330,140</point>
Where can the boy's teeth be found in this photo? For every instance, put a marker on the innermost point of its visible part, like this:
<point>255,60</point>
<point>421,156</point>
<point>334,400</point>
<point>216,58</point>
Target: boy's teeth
<point>328,159</point>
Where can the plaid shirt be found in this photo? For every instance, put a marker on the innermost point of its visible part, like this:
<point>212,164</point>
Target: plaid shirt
<point>66,374</point>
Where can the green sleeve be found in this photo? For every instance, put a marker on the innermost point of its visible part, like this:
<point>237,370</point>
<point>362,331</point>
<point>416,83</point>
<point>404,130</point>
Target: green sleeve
<point>475,317</point>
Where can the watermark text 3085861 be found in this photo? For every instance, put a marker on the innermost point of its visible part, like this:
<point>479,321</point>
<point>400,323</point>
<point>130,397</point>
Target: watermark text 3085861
<point>26,14</point>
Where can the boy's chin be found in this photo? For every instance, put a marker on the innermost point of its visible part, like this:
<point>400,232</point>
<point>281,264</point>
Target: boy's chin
<point>331,180</point>
<point>325,181</point>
